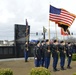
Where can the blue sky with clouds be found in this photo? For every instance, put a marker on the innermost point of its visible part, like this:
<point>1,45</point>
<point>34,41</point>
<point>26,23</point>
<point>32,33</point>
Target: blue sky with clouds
<point>36,11</point>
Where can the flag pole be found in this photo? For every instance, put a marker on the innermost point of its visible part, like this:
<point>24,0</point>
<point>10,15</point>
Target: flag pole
<point>49,34</point>
<point>49,31</point>
<point>49,26</point>
<point>56,31</point>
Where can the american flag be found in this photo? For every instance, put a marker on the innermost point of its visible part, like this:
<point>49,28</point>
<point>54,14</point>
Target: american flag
<point>61,16</point>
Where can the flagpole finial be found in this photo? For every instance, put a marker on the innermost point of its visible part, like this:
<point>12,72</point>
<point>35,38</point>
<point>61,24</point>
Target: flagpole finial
<point>26,22</point>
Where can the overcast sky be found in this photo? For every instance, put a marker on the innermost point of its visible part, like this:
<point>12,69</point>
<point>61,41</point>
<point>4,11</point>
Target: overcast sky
<point>35,11</point>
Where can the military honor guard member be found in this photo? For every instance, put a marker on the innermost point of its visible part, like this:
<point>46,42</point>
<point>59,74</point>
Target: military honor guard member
<point>47,54</point>
<point>55,55</point>
<point>26,51</point>
<point>69,54</point>
<point>62,51</point>
<point>37,54</point>
<point>42,47</point>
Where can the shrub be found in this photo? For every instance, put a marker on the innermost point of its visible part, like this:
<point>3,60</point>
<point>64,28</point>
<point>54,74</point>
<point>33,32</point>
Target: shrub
<point>6,72</point>
<point>74,57</point>
<point>74,74</point>
<point>39,71</point>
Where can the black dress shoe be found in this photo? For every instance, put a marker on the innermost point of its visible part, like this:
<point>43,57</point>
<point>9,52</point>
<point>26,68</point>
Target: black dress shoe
<point>63,68</point>
<point>69,67</point>
<point>26,61</point>
<point>55,70</point>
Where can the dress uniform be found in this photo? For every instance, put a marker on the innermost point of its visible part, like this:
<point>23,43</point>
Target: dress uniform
<point>47,54</point>
<point>42,47</point>
<point>26,51</point>
<point>62,51</point>
<point>37,55</point>
<point>69,54</point>
<point>55,54</point>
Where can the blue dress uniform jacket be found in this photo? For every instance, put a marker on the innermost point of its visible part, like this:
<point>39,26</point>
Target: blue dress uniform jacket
<point>47,56</point>
<point>54,50</point>
<point>69,55</point>
<point>37,52</point>
<point>42,47</point>
<point>62,51</point>
<point>55,56</point>
<point>37,56</point>
<point>69,51</point>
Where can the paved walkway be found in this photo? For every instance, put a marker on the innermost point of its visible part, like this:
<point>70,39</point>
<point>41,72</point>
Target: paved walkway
<point>10,59</point>
<point>19,67</point>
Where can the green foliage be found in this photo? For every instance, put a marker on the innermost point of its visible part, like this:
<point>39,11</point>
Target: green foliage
<point>74,74</point>
<point>39,71</point>
<point>74,57</point>
<point>6,72</point>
